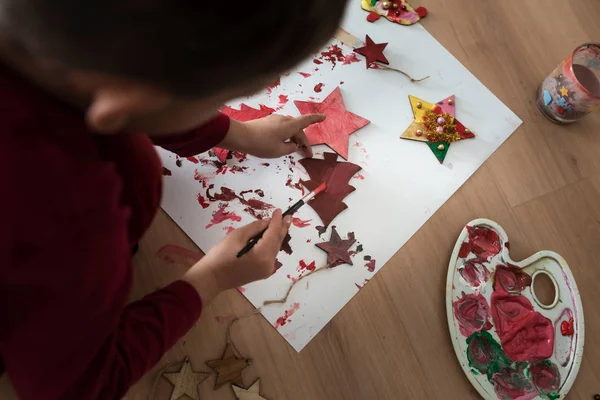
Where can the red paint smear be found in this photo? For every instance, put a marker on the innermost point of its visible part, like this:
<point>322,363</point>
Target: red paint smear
<point>482,241</point>
<point>174,254</point>
<point>265,164</point>
<point>283,99</point>
<point>373,16</point>
<point>472,313</point>
<point>475,272</point>
<point>296,185</point>
<point>273,85</point>
<point>363,284</point>
<point>333,54</point>
<point>567,328</point>
<point>221,216</point>
<point>200,178</point>
<point>350,58</point>
<point>228,229</point>
<point>303,266</point>
<point>291,278</point>
<point>202,201</point>
<point>510,279</point>
<point>317,61</point>
<point>166,172</point>
<point>305,74</point>
<point>371,265</point>
<point>300,223</point>
<point>192,159</point>
<point>319,87</point>
<point>281,321</point>
<point>359,176</point>
<point>221,154</point>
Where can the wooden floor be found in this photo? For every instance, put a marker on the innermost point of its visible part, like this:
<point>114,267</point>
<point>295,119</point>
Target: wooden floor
<point>391,341</point>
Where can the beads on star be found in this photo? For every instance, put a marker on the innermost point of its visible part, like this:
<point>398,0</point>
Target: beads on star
<point>441,147</point>
<point>441,121</point>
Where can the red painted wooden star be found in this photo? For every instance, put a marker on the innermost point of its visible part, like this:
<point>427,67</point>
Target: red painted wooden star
<point>245,113</point>
<point>329,203</point>
<point>337,248</point>
<point>373,52</point>
<point>337,127</point>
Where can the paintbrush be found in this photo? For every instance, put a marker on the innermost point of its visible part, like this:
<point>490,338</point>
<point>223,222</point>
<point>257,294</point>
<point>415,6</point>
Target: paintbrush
<point>290,211</point>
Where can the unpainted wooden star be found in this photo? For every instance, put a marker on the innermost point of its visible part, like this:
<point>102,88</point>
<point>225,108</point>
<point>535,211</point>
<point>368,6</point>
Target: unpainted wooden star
<point>252,393</point>
<point>186,381</point>
<point>229,368</point>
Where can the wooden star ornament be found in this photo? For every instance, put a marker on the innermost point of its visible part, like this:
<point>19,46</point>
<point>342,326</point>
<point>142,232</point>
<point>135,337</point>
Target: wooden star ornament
<point>252,393</point>
<point>229,368</point>
<point>373,52</point>
<point>186,381</point>
<point>337,127</point>
<point>436,125</point>
<point>338,249</point>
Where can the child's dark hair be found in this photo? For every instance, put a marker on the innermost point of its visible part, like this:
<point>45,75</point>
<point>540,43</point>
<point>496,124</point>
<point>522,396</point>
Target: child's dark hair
<point>192,48</point>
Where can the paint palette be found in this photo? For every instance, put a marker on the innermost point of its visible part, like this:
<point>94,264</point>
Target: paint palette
<point>509,344</point>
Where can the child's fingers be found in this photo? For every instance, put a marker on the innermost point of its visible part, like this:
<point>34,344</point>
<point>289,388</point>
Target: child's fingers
<point>302,140</point>
<point>247,232</point>
<point>274,235</point>
<point>303,121</point>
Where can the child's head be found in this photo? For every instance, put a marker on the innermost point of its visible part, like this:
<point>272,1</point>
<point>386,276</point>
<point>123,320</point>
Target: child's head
<point>165,65</point>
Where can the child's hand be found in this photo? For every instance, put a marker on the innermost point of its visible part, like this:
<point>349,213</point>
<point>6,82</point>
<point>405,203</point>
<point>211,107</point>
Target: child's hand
<point>220,269</point>
<point>271,137</point>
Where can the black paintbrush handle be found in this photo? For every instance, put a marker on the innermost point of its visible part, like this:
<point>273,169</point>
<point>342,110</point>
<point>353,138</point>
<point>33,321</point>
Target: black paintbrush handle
<point>252,242</point>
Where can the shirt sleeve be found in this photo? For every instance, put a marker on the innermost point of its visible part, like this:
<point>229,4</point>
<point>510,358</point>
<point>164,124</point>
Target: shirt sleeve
<point>67,331</point>
<point>197,140</point>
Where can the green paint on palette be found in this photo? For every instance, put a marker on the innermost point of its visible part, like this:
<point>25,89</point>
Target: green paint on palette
<point>485,354</point>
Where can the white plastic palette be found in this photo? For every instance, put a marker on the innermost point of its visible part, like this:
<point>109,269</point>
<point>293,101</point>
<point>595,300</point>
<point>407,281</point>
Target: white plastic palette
<point>477,344</point>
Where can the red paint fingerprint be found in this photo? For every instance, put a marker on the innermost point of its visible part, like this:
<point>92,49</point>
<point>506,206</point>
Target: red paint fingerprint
<point>300,223</point>
<point>174,254</point>
<point>221,216</point>
<point>305,74</point>
<point>303,266</point>
<point>371,265</point>
<point>319,87</point>
<point>285,318</point>
<point>359,176</point>
<point>192,159</point>
<point>202,201</point>
<point>350,58</point>
<point>166,172</point>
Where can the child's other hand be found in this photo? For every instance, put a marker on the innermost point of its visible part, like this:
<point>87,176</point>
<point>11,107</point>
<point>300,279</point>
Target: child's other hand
<point>271,137</point>
<point>220,269</point>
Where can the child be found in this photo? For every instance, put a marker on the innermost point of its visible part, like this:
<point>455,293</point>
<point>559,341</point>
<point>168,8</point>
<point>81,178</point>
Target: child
<point>78,82</point>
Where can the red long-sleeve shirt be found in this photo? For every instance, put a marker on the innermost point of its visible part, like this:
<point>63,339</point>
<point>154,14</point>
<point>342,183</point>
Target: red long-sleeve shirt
<point>73,203</point>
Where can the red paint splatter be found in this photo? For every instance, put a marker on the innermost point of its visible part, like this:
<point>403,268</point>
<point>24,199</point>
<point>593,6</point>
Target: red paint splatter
<point>300,223</point>
<point>371,265</point>
<point>317,61</point>
<point>192,159</point>
<point>359,176</point>
<point>285,318</point>
<point>303,266</point>
<point>305,74</point>
<point>283,99</point>
<point>166,172</point>
<point>174,254</point>
<point>202,201</point>
<point>567,328</point>
<point>333,55</point>
<point>291,278</point>
<point>319,87</point>
<point>296,185</point>
<point>308,240</point>
<point>350,58</point>
<point>265,164</point>
<point>221,216</point>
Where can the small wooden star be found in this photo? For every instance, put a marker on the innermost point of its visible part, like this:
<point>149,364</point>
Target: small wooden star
<point>186,381</point>
<point>337,248</point>
<point>229,368</point>
<point>425,125</point>
<point>373,52</point>
<point>252,393</point>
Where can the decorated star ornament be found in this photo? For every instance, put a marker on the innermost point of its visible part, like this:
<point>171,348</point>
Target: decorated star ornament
<point>373,52</point>
<point>398,11</point>
<point>338,249</point>
<point>337,127</point>
<point>436,125</point>
<point>252,393</point>
<point>186,381</point>
<point>244,114</point>
<point>229,368</point>
<point>336,174</point>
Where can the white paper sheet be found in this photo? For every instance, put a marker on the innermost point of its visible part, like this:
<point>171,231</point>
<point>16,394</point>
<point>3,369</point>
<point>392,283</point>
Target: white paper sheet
<point>403,183</point>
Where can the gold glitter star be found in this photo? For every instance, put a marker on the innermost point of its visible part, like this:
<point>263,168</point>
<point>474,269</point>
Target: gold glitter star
<point>564,92</point>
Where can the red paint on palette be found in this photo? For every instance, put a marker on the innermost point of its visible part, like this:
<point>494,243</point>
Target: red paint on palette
<point>319,87</point>
<point>482,241</point>
<point>301,223</point>
<point>202,201</point>
<point>285,318</point>
<point>472,313</point>
<point>567,328</point>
